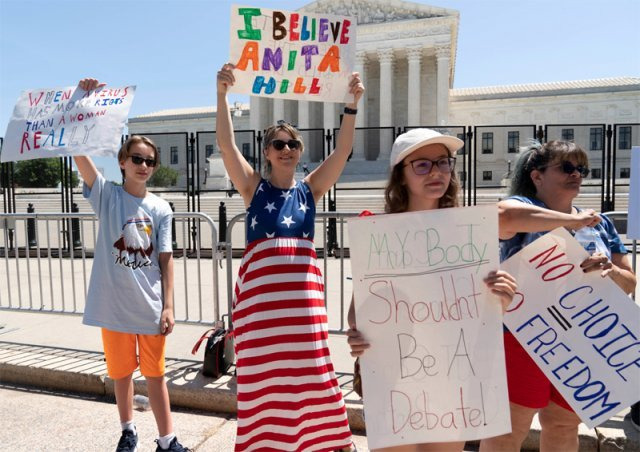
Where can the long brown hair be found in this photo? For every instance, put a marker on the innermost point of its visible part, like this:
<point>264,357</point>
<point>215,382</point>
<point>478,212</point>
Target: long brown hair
<point>396,195</point>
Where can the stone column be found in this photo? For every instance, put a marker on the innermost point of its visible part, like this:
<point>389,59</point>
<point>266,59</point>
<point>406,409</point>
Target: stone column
<point>386,87</point>
<point>385,56</point>
<point>414,56</point>
<point>278,110</point>
<point>303,114</point>
<point>303,123</point>
<point>443,53</point>
<point>328,122</point>
<point>359,144</point>
<point>329,115</point>
<point>255,113</point>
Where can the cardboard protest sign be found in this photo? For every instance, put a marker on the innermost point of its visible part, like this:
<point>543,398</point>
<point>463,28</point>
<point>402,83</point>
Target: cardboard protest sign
<point>633,220</point>
<point>67,121</point>
<point>581,329</point>
<point>435,370</point>
<point>290,55</point>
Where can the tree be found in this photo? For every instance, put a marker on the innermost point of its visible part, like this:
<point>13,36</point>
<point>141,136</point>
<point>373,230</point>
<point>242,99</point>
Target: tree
<point>40,173</point>
<point>163,177</point>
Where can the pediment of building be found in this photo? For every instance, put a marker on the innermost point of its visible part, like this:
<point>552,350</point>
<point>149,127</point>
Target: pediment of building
<point>378,11</point>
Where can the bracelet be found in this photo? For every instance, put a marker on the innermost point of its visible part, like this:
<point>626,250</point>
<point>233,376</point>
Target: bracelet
<point>350,111</point>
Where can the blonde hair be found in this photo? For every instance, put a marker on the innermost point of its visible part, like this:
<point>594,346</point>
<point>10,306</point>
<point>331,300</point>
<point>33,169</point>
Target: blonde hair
<point>270,135</point>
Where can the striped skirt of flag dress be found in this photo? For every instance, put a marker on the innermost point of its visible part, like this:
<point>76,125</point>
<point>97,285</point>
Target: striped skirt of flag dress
<point>288,395</point>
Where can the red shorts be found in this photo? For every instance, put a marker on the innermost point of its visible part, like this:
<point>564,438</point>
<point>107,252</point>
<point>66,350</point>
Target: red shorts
<point>121,352</point>
<point>528,385</point>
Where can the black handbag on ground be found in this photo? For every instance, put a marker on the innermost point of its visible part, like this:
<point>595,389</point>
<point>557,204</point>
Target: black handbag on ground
<point>219,352</point>
<point>357,378</point>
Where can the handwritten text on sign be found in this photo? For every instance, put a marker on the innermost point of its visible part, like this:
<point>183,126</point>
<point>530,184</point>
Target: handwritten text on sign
<point>435,370</point>
<point>581,329</point>
<point>291,55</point>
<point>67,121</point>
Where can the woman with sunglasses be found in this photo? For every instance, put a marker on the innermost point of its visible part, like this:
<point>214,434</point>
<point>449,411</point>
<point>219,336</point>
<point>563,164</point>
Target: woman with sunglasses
<point>423,178</point>
<point>545,182</point>
<point>288,395</point>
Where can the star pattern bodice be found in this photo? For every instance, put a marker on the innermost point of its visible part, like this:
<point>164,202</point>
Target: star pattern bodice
<point>277,212</point>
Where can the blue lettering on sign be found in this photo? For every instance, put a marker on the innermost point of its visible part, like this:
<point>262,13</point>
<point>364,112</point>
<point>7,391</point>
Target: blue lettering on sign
<point>259,83</point>
<point>569,369</point>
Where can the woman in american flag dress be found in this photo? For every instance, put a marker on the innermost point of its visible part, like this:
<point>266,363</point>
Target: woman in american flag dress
<point>288,395</point>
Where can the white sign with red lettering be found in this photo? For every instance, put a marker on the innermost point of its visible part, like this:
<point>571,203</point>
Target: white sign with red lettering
<point>581,329</point>
<point>67,121</point>
<point>435,370</point>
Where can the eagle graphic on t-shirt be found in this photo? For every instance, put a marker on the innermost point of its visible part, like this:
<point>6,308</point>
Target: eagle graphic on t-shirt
<point>136,241</point>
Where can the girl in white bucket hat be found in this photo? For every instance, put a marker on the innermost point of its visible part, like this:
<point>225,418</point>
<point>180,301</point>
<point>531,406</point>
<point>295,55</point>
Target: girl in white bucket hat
<point>423,178</point>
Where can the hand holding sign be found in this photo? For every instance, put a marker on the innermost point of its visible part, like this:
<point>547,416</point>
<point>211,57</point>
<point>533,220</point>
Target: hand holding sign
<point>225,78</point>
<point>503,285</point>
<point>89,84</point>
<point>356,87</point>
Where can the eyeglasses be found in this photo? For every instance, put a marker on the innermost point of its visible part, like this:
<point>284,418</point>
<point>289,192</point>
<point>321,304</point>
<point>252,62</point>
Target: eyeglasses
<point>424,166</point>
<point>137,160</point>
<point>280,144</point>
<point>569,168</point>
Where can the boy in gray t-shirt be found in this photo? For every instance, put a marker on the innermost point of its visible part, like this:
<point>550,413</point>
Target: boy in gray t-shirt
<point>131,288</point>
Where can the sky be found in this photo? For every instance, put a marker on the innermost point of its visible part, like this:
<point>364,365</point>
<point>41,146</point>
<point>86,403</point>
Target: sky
<point>172,49</point>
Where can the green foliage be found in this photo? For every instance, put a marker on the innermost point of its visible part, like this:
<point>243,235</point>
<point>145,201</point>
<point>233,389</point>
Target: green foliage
<point>163,177</point>
<point>40,173</point>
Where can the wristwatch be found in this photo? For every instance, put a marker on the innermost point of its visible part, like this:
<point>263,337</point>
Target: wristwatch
<point>350,111</point>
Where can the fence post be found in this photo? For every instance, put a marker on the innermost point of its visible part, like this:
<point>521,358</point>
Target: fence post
<point>222,223</point>
<point>609,202</point>
<point>174,244</point>
<point>75,227</point>
<point>31,228</point>
<point>332,232</point>
<point>259,140</point>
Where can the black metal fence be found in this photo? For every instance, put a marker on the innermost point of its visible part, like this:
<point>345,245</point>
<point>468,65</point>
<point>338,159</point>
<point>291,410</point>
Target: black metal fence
<point>485,161</point>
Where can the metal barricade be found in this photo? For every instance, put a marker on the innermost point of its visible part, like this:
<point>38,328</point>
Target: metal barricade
<point>46,270</point>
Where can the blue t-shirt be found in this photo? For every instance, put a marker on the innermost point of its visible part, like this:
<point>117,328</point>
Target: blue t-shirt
<point>125,290</point>
<point>604,234</point>
<point>277,212</point>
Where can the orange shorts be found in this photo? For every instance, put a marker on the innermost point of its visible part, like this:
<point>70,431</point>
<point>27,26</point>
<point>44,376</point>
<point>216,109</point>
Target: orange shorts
<point>122,357</point>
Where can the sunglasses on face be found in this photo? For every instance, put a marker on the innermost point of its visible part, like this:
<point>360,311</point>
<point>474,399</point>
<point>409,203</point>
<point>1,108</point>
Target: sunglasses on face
<point>280,144</point>
<point>569,168</point>
<point>137,160</point>
<point>424,166</point>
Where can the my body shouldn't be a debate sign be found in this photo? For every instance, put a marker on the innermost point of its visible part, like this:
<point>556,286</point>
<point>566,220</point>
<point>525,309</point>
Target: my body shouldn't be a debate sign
<point>67,121</point>
<point>581,329</point>
<point>290,55</point>
<point>435,370</point>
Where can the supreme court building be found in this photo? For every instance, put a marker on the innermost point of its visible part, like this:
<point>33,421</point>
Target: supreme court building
<point>406,55</point>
